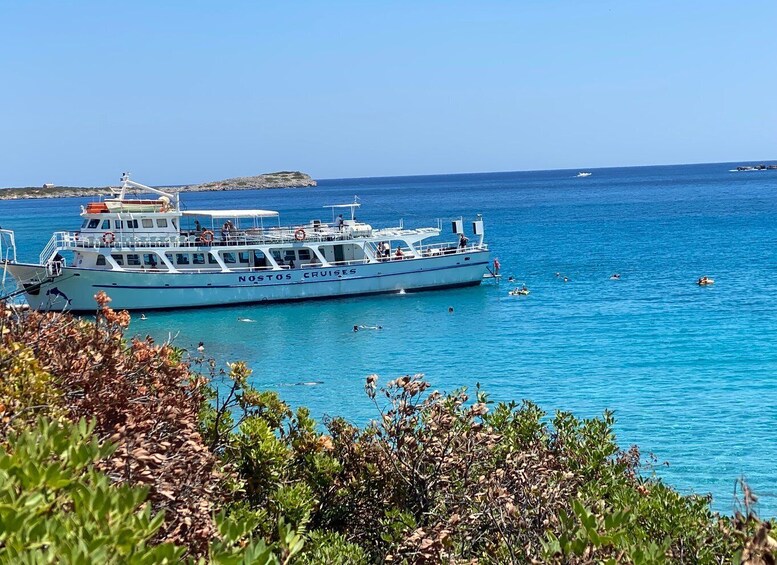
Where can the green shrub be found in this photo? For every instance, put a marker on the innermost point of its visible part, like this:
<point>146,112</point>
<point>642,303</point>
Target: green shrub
<point>56,506</point>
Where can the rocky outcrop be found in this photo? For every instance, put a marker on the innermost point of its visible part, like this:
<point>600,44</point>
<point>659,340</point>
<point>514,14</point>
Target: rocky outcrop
<point>282,179</point>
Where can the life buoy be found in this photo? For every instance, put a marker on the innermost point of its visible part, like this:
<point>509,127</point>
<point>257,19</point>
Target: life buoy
<point>299,235</point>
<point>207,236</point>
<point>108,237</point>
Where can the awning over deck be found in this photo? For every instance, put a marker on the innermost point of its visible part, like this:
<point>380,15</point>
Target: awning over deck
<point>232,213</point>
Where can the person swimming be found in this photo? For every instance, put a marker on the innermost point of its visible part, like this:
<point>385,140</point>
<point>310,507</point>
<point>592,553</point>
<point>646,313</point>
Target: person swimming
<point>523,291</point>
<point>200,347</point>
<point>143,317</point>
<point>245,320</point>
<point>615,277</point>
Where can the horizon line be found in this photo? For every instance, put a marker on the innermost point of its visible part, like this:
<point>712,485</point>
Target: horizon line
<point>758,161</point>
<point>458,173</point>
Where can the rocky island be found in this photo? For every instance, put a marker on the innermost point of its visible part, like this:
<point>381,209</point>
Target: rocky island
<point>281,179</point>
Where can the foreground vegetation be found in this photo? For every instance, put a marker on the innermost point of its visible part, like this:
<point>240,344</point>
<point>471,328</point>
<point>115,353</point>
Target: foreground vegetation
<point>128,451</point>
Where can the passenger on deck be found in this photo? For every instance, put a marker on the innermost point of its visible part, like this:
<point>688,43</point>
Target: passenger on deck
<point>398,254</point>
<point>463,241</point>
<point>197,227</point>
<point>340,222</point>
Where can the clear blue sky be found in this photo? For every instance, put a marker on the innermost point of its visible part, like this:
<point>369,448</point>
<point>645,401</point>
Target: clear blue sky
<point>189,91</point>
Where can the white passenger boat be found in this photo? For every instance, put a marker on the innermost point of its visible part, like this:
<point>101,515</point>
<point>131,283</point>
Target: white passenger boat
<point>152,254</point>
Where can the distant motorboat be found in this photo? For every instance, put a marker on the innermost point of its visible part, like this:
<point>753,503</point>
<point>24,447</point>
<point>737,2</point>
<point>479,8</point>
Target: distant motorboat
<point>584,174</point>
<point>748,168</point>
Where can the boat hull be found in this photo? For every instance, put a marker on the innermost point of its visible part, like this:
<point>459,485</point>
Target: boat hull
<point>74,288</point>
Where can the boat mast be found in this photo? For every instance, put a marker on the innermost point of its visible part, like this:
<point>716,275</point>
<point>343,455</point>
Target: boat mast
<point>126,183</point>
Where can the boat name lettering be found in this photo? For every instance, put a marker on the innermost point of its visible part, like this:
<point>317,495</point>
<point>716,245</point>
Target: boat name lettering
<point>329,273</point>
<point>267,278</point>
<point>287,276</point>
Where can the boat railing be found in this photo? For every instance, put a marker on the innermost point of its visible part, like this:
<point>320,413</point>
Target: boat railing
<point>7,246</point>
<point>120,242</point>
<point>449,248</point>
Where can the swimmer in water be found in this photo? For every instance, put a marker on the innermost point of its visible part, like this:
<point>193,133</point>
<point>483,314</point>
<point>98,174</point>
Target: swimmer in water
<point>143,317</point>
<point>450,309</point>
<point>615,277</point>
<point>356,328</point>
<point>200,347</point>
<point>245,320</point>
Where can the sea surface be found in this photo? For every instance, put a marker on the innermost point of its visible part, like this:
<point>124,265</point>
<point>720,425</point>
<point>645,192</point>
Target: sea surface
<point>689,371</point>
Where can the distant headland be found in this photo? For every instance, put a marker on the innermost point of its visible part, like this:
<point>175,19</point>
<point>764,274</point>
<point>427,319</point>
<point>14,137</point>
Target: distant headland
<point>281,179</point>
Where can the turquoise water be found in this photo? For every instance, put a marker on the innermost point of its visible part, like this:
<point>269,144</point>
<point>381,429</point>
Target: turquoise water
<point>689,371</point>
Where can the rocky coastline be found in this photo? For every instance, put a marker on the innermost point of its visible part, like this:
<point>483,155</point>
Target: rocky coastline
<point>281,179</point>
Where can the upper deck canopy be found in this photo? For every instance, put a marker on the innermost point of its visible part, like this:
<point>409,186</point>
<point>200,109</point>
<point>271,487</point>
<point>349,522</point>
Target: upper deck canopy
<point>232,213</point>
<point>351,205</point>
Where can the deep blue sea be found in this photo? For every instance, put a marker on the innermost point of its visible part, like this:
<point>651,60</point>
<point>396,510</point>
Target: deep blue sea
<point>689,371</point>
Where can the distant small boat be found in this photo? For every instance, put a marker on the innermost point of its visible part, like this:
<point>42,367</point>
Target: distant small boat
<point>584,174</point>
<point>749,168</point>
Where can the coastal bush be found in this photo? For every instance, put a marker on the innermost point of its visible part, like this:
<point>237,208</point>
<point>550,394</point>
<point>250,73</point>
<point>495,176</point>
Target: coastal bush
<point>141,398</point>
<point>205,467</point>
<point>437,478</point>
<point>26,390</point>
<point>55,506</point>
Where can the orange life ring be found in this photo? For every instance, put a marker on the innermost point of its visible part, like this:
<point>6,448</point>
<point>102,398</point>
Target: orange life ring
<point>206,236</point>
<point>299,235</point>
<point>108,238</point>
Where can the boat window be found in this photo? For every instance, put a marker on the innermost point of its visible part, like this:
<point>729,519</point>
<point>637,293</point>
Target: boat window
<point>198,258</point>
<point>132,224</point>
<point>289,255</point>
<point>119,259</point>
<point>148,223</point>
<point>212,260</point>
<point>182,258</point>
<point>229,257</point>
<point>276,255</point>
<point>304,254</point>
<point>133,259</point>
<point>243,257</point>
<point>106,225</point>
<point>93,224</point>
<point>83,225</point>
<point>118,224</point>
<point>149,259</point>
<point>161,223</point>
<point>259,259</point>
<point>101,260</point>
